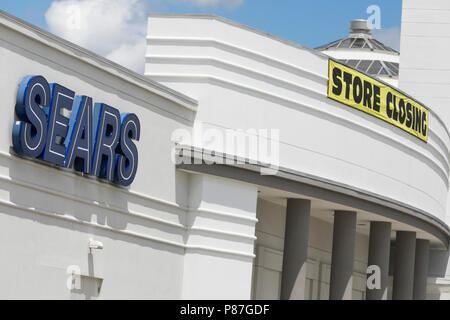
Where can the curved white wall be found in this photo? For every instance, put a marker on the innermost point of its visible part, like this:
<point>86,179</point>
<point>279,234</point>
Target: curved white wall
<point>424,67</point>
<point>47,215</point>
<point>254,80</point>
<point>170,235</point>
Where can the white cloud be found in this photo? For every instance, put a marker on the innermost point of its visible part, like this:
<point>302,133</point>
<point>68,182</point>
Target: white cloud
<point>388,36</point>
<point>130,55</point>
<point>112,28</point>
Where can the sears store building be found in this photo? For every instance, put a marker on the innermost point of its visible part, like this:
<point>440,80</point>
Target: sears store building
<point>240,166</point>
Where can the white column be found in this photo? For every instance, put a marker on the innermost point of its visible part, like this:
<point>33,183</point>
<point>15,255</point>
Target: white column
<point>405,248</point>
<point>293,279</point>
<point>379,250</point>
<point>344,230</point>
<point>220,239</point>
<point>421,269</point>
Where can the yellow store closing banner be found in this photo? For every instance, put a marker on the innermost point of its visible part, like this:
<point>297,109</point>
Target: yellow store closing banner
<point>357,90</point>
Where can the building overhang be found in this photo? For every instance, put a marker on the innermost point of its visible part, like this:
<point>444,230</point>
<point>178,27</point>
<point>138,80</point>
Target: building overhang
<point>193,159</point>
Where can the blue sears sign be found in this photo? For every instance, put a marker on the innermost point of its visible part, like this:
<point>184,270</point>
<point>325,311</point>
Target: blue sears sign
<point>98,142</point>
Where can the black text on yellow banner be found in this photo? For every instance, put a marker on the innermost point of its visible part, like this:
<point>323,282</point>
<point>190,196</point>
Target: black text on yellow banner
<point>376,98</point>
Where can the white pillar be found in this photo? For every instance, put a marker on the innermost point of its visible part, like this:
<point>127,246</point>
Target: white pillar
<point>293,279</point>
<point>421,269</point>
<point>344,230</point>
<point>379,250</point>
<point>405,248</point>
<point>218,260</point>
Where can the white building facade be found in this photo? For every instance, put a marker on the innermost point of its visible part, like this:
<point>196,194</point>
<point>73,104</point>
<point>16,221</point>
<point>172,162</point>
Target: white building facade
<point>251,183</point>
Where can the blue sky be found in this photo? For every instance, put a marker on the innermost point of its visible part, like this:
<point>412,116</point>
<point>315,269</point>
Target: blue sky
<point>310,23</point>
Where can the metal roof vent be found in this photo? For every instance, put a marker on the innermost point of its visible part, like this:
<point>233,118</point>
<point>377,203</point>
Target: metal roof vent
<point>360,28</point>
<point>360,38</point>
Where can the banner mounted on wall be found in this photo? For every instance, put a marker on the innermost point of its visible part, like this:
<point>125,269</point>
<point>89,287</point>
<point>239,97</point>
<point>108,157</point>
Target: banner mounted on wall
<point>357,90</point>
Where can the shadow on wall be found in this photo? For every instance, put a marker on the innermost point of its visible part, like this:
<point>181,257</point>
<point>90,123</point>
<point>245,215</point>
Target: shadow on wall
<point>27,172</point>
<point>115,219</point>
<point>53,232</point>
<point>87,287</point>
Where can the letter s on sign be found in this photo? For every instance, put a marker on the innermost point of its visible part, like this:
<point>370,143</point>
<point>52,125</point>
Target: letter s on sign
<point>30,132</point>
<point>127,158</point>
